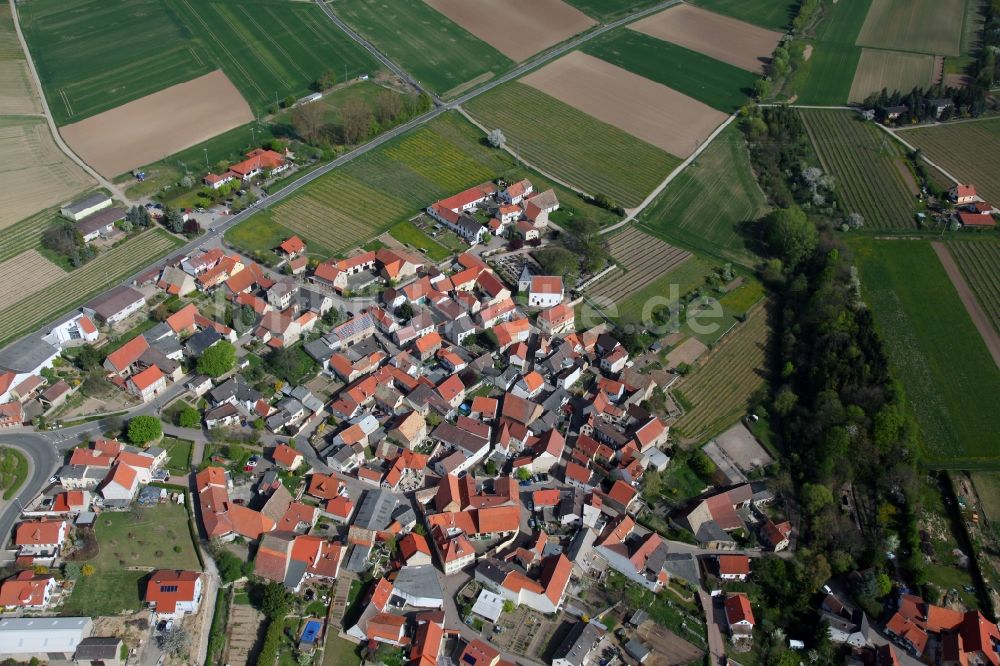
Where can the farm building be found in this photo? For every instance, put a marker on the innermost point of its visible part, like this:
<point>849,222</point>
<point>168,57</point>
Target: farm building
<point>100,224</point>
<point>81,208</point>
<point>117,304</point>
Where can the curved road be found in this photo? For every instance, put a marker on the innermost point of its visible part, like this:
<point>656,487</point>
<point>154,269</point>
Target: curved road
<point>43,458</point>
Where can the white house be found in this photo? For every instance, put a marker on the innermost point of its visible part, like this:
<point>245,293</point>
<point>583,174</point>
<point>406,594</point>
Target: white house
<point>545,291</point>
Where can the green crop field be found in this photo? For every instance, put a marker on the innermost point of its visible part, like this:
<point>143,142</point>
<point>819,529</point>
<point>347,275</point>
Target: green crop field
<point>707,80</point>
<point>94,55</point>
<point>868,166</point>
<point>365,197</point>
<point>969,151</point>
<point>428,45</point>
<point>979,262</point>
<point>950,380</point>
<point>107,269</point>
<point>772,14</point>
<point>892,70</point>
<point>826,78</point>
<point>705,205</point>
<point>718,390</point>
<point>923,26</point>
<point>572,146</point>
<point>607,10</point>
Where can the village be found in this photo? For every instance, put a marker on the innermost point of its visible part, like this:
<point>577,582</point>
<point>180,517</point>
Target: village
<point>441,468</point>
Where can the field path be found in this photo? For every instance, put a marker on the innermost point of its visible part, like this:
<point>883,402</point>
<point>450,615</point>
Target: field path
<point>101,180</point>
<point>976,313</point>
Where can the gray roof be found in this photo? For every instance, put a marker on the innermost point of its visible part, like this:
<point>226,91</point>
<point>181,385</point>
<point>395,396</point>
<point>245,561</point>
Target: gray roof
<point>100,219</point>
<point>293,575</point>
<point>579,643</point>
<point>161,330</point>
<point>493,570</point>
<point>311,402</point>
<point>421,581</point>
<point>682,565</point>
<point>710,531</point>
<point>31,635</point>
<point>86,202</point>
<point>635,648</point>
<point>27,354</point>
<point>112,302</point>
<point>97,648</point>
<point>81,472</point>
<point>202,340</point>
<point>357,561</point>
<point>375,510</point>
<point>320,349</point>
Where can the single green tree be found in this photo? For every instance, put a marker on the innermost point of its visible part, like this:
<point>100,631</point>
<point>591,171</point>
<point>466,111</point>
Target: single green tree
<point>144,429</point>
<point>217,360</point>
<point>188,417</point>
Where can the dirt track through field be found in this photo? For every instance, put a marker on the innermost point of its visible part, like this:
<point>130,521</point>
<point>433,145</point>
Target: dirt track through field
<point>976,313</point>
<point>645,109</point>
<point>158,125</point>
<point>717,36</point>
<point>517,28</point>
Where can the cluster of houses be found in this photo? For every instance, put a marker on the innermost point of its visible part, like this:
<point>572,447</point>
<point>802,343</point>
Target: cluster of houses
<point>515,209</point>
<point>971,211</point>
<point>258,162</point>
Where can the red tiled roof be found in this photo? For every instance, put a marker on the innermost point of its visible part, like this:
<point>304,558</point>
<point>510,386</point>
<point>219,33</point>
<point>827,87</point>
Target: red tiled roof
<point>24,589</point>
<point>293,245</point>
<point>546,284</point>
<point>413,543</point>
<point>285,455</point>
<point>183,319</point>
<point>147,377</point>
<point>738,609</point>
<point>128,353</point>
<point>976,220</point>
<point>165,588</point>
<point>577,473</point>
<point>478,653</point>
<point>324,486</point>
<point>546,497</point>
<point>340,507</point>
<point>734,565</point>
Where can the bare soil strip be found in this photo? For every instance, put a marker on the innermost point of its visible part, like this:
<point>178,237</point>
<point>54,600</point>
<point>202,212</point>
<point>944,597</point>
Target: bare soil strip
<point>720,37</point>
<point>979,318</point>
<point>158,125</point>
<point>517,28</point>
<point>645,109</point>
<point>24,275</point>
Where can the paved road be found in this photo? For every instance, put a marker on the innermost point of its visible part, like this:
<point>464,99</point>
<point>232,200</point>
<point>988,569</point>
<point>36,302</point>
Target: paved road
<point>43,459</point>
<point>101,180</point>
<point>716,643</point>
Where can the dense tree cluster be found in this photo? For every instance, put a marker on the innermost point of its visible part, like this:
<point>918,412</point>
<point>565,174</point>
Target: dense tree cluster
<point>921,103</point>
<point>358,120</point>
<point>63,238</point>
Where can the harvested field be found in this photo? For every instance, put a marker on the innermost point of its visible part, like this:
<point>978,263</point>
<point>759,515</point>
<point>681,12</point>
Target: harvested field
<point>35,173</point>
<point>686,352</point>
<point>158,125</point>
<point>76,287</point>
<point>979,262</point>
<point>668,648</point>
<point>645,109</point>
<point>25,274</point>
<point>721,37</point>
<point>558,138</point>
<point>645,259</point>
<point>865,163</point>
<point>893,70</point>
<point>969,151</point>
<point>715,395</point>
<point>17,95</point>
<point>925,26</point>
<point>529,26</point>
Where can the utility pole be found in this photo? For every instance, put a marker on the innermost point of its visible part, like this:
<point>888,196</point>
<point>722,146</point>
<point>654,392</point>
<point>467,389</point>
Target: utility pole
<point>206,157</point>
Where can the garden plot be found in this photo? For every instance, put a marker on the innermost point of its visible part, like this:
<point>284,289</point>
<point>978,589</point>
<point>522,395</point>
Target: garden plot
<point>721,37</point>
<point>158,125</point>
<point>529,26</point>
<point>645,109</point>
<point>24,275</point>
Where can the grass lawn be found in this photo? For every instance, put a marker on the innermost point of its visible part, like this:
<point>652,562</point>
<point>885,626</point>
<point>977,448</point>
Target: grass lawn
<point>408,234</point>
<point>827,76</point>
<point>773,14</point>
<point>179,454</point>
<point>573,146</point>
<point>123,542</point>
<point>340,652</point>
<point>949,377</point>
<point>717,84</point>
<point>428,45</point>
<point>13,471</point>
<point>93,55</point>
<point>706,205</point>
<point>258,236</point>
